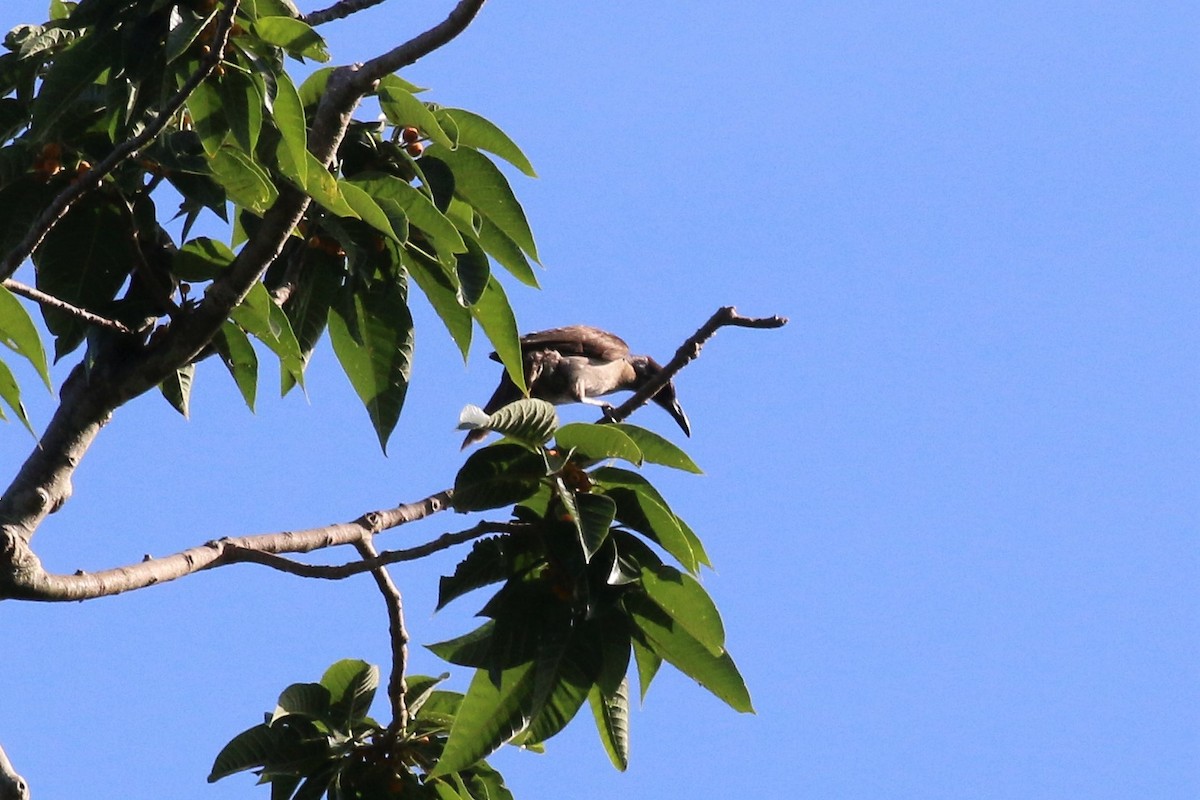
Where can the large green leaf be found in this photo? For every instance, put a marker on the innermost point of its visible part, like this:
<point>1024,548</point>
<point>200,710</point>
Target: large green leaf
<point>487,563</point>
<point>367,209</point>
<point>202,259</point>
<point>491,713</point>
<point>686,602</point>
<point>480,183</point>
<point>295,37</point>
<point>247,184</point>
<point>592,516</point>
<point>498,475</point>
<point>262,318</point>
<point>670,641</point>
<point>18,333</point>
<point>403,109</point>
<point>439,290</point>
<point>288,115</point>
<point>641,507</point>
<point>308,305</point>
<point>372,336</point>
<point>506,252</point>
<point>658,450</point>
<point>495,316</point>
<point>84,260</point>
<point>238,356</point>
<point>612,722</point>
<point>74,69</point>
<point>419,209</point>
<point>306,699</point>
<point>208,117</point>
<point>527,420</point>
<point>562,689</point>
<point>598,442</point>
<point>242,108</point>
<point>475,131</point>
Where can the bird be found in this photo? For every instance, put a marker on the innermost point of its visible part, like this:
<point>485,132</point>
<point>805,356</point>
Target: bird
<point>577,364</point>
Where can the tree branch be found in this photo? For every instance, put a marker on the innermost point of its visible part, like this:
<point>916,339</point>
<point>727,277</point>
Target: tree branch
<point>688,352</point>
<point>397,633</point>
<point>89,397</point>
<point>34,583</point>
<point>50,301</point>
<point>129,148</point>
<point>12,785</point>
<point>339,10</point>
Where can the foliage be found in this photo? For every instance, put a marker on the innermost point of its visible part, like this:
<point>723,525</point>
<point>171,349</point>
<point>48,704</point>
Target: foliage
<point>582,595</point>
<point>409,199</point>
<point>582,587</point>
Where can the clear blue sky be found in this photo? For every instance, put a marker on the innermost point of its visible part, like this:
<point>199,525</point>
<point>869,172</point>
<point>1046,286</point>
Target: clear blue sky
<point>954,505</point>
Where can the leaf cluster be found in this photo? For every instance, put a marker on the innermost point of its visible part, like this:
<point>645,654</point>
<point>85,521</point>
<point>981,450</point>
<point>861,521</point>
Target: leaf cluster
<point>583,589</point>
<point>319,742</point>
<point>412,198</point>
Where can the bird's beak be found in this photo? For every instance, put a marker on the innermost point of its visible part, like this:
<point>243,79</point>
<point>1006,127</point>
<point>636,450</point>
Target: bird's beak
<point>667,399</point>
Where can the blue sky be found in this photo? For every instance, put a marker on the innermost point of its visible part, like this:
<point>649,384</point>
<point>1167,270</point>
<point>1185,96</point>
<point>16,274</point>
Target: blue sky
<point>954,506</point>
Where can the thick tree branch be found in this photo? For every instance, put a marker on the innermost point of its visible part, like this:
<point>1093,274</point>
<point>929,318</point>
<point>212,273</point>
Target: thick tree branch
<point>12,785</point>
<point>398,634</point>
<point>89,397</point>
<point>33,583</point>
<point>339,10</point>
<point>129,148</point>
<point>50,301</point>
<point>688,352</point>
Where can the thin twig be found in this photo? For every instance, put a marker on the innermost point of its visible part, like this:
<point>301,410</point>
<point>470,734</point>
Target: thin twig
<point>687,352</point>
<point>50,301</point>
<point>397,633</point>
<point>129,148</point>
<point>339,10</point>
<point>334,572</point>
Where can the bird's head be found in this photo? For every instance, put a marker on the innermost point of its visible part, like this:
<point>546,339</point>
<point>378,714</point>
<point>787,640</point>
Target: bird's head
<point>647,369</point>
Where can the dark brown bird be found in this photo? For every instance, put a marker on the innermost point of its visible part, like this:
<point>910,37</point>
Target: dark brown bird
<point>577,364</point>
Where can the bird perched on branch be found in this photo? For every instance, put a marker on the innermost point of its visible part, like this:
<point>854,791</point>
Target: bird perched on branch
<point>577,364</point>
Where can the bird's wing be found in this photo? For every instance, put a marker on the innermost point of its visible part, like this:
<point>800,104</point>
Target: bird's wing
<point>577,340</point>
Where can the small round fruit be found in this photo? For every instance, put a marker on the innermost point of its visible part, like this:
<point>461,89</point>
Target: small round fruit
<point>414,149</point>
<point>410,134</point>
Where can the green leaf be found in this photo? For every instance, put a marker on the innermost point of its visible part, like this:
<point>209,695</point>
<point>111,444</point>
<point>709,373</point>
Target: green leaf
<point>262,318</point>
<point>278,746</point>
<point>480,183</point>
<point>562,690</point>
<point>403,109</point>
<point>10,393</point>
<point>242,103</point>
<point>475,131</point>
<point>439,290</point>
<point>641,507</point>
<point>598,442</point>
<point>686,602</point>
<point>18,333</point>
<point>487,563</point>
<point>498,475</point>
<point>202,259</point>
<point>372,336</point>
<point>527,420</point>
<point>473,271</point>
<point>349,681</point>
<point>74,69</point>
<point>495,317</point>
<point>612,722</point>
<point>366,209</point>
<point>296,38</point>
<point>419,209</point>
<point>84,260</point>
<point>506,252</point>
<point>305,699</point>
<point>308,306</point>
<point>246,183</point>
<point>658,450</point>
<point>490,715</point>
<point>671,642</point>
<point>648,663</point>
<point>473,649</point>
<point>177,388</point>
<point>592,515</point>
<point>288,115</point>
<point>208,115</point>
